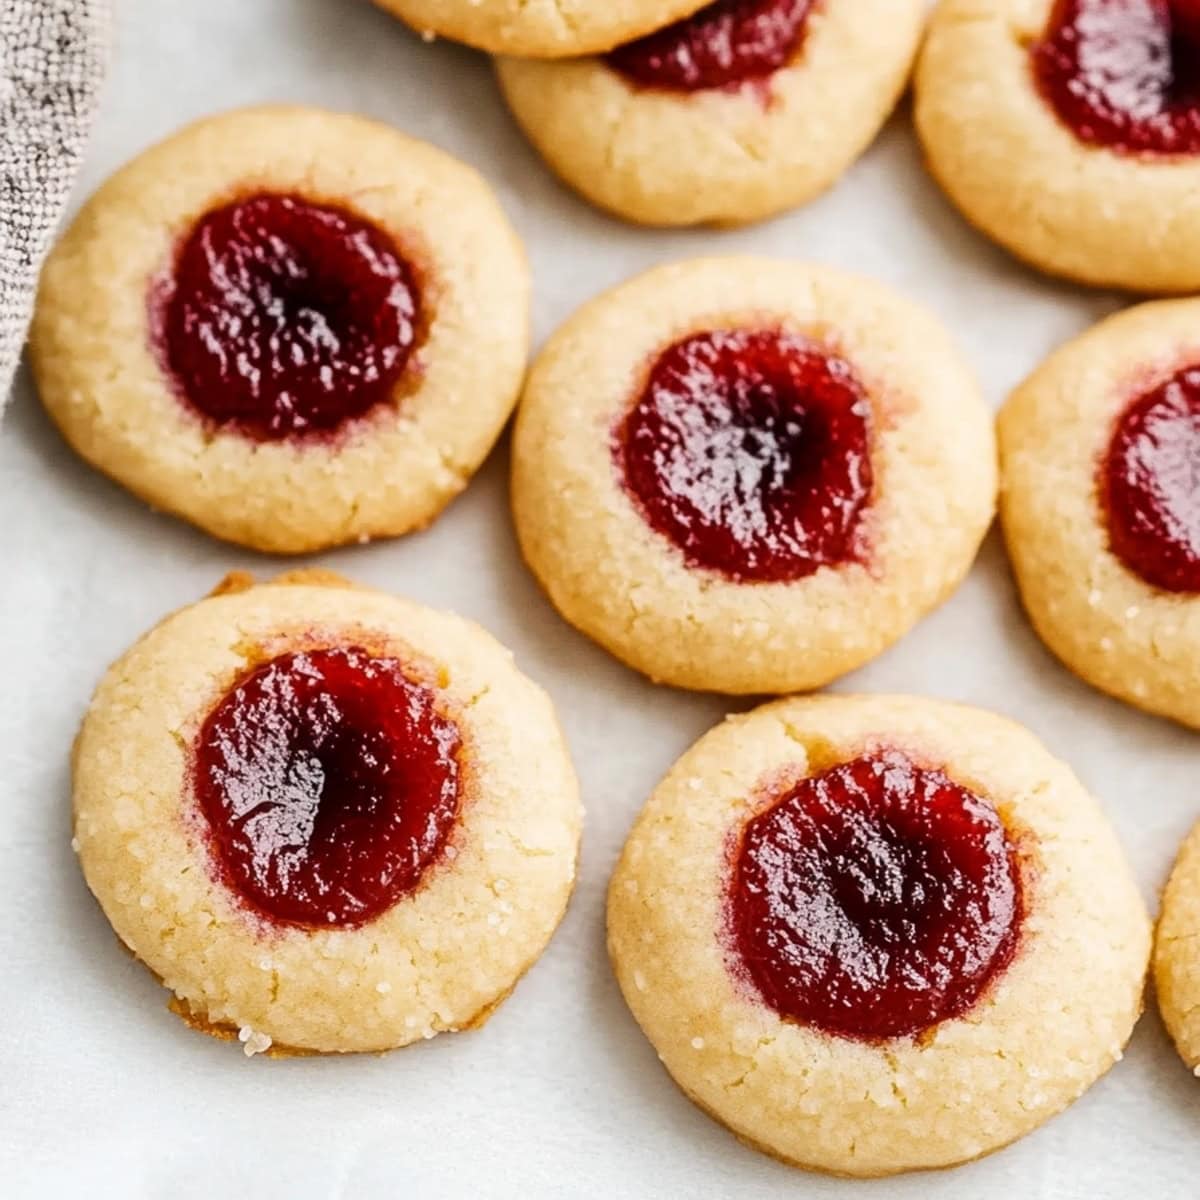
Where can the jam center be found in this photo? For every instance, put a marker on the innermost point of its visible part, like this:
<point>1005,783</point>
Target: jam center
<point>750,451</point>
<point>726,44</point>
<point>1124,74</point>
<point>281,318</point>
<point>330,782</point>
<point>874,900</point>
<point>1150,481</point>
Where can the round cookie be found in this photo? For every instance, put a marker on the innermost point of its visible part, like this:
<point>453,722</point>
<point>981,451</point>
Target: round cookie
<point>747,475</point>
<point>293,328</point>
<point>1100,507</point>
<point>539,28</point>
<point>724,117</point>
<point>877,934</point>
<point>1070,133</point>
<point>1177,953</point>
<point>328,819</point>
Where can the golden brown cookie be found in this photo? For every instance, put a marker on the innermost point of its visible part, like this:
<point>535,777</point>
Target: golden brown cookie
<point>726,116</point>
<point>747,475</point>
<point>1069,131</point>
<point>326,818</point>
<point>874,934</point>
<point>1177,953</point>
<point>539,28</point>
<point>1101,508</point>
<point>291,327</point>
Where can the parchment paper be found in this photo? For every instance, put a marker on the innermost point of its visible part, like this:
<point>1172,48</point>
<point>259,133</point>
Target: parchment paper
<point>104,1093</point>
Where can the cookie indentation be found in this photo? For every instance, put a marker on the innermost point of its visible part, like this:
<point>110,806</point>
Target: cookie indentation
<point>1150,480</point>
<point>875,899</point>
<point>330,781</point>
<point>1124,74</point>
<point>282,318</point>
<point>723,45</point>
<point>750,451</point>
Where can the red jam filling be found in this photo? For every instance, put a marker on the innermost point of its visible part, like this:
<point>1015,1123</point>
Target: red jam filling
<point>330,782</point>
<point>875,900</point>
<point>750,451</point>
<point>281,318</point>
<point>1124,74</point>
<point>726,44</point>
<point>1150,482</point>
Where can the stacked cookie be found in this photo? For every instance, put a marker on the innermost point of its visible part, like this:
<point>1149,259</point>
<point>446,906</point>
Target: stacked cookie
<point>849,925</point>
<point>670,113</point>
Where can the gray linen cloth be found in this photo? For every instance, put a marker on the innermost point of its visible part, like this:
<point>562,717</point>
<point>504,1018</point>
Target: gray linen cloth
<point>52,57</point>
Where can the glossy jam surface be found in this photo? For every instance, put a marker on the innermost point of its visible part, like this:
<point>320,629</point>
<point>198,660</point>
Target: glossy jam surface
<point>750,451</point>
<point>1150,482</point>
<point>330,782</point>
<point>726,44</point>
<point>874,900</point>
<point>281,318</point>
<point>1124,74</point>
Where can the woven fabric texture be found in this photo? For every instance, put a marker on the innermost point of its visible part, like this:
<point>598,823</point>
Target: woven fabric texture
<point>52,57</point>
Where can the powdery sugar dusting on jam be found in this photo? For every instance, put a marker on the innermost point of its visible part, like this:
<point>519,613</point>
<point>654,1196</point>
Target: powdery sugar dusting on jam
<point>1150,482</point>
<point>330,782</point>
<point>1124,74</point>
<point>750,451</point>
<point>874,900</point>
<point>724,45</point>
<point>282,318</point>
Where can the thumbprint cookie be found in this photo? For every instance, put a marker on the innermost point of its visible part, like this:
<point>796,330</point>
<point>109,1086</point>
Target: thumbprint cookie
<point>746,475</point>
<point>292,328</point>
<point>539,28</point>
<point>744,109</point>
<point>1100,503</point>
<point>877,934</point>
<point>328,819</point>
<point>1177,953</point>
<point>1069,131</point>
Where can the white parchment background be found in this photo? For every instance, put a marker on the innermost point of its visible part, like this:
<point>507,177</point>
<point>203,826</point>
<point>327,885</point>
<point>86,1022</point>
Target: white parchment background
<point>103,1093</point>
